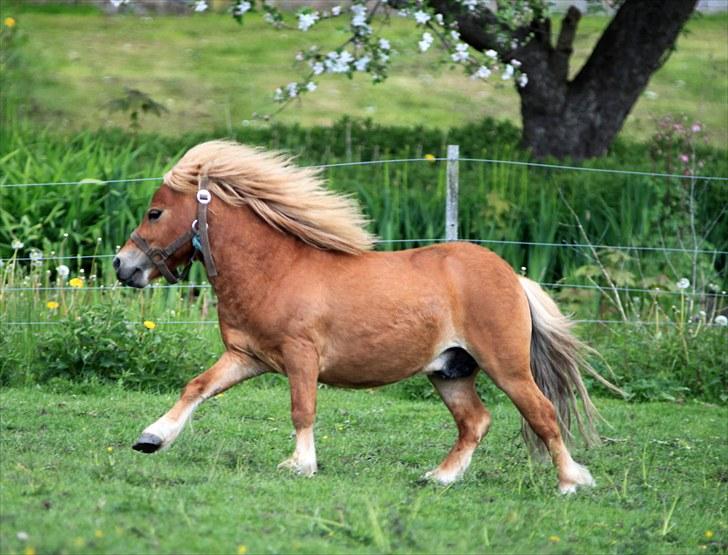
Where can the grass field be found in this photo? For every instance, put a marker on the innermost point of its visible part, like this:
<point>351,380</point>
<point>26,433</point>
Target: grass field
<point>213,74</point>
<point>73,485</point>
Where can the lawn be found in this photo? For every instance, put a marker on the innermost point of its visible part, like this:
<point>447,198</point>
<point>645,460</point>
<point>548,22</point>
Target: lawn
<point>71,483</point>
<point>213,74</point>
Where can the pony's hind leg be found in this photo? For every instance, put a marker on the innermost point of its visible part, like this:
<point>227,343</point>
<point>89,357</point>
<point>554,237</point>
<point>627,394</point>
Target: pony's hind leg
<point>472,420</point>
<point>226,372</point>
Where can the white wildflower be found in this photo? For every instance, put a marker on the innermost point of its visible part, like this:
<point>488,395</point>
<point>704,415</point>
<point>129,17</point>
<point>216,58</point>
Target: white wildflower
<point>721,320</point>
<point>241,8</point>
<point>683,283</point>
<point>426,42</point>
<point>200,6</point>
<point>22,536</point>
<point>461,53</point>
<point>306,20</point>
<point>522,80</point>
<point>507,73</point>
<point>16,245</point>
<point>63,271</point>
<point>422,17</point>
<point>491,53</point>
<point>310,86</point>
<point>362,63</point>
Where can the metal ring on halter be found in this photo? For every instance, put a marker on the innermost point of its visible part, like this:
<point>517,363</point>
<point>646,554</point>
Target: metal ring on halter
<point>204,196</point>
<point>196,226</point>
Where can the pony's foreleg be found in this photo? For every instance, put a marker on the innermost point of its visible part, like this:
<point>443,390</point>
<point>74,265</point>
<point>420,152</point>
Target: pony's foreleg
<point>303,378</point>
<point>472,420</point>
<point>227,371</point>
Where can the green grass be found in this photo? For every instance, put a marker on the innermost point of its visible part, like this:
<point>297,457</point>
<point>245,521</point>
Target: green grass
<point>213,74</point>
<point>71,482</point>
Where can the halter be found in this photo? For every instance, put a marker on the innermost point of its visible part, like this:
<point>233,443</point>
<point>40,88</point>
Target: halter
<point>197,234</point>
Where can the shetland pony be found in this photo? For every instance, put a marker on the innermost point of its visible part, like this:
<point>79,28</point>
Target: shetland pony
<point>301,293</point>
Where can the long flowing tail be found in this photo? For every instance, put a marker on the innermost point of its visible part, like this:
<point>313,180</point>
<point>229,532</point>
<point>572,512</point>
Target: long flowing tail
<point>557,361</point>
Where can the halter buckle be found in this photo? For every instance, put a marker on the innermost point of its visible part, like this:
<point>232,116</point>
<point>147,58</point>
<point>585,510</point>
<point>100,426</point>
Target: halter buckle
<point>204,196</point>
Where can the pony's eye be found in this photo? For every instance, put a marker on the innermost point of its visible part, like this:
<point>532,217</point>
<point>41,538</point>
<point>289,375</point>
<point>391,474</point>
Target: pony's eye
<point>154,214</point>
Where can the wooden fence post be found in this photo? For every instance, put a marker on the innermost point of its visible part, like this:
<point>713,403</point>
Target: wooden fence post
<point>451,196</point>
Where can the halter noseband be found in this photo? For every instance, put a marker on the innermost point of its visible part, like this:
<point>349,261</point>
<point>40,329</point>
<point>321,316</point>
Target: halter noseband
<point>197,234</point>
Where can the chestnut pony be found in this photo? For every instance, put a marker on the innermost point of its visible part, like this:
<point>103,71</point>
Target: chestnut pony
<point>301,293</point>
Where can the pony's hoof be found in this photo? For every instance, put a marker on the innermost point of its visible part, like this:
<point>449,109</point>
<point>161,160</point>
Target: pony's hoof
<point>148,443</point>
<point>438,477</point>
<point>302,469</point>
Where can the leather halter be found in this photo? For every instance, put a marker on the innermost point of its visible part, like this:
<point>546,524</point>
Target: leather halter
<point>198,235</point>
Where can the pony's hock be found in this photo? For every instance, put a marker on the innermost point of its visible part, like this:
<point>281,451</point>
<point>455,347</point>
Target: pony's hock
<point>147,443</point>
<point>301,293</point>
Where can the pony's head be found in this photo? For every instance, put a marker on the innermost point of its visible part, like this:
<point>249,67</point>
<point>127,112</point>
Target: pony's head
<point>161,243</point>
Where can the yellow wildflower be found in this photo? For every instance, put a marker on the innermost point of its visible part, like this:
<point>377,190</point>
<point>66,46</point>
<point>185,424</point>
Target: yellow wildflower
<point>79,542</point>
<point>30,550</point>
<point>9,22</point>
<point>52,305</point>
<point>99,533</point>
<point>109,449</point>
<point>242,550</point>
<point>554,539</point>
<point>149,324</point>
<point>76,283</point>
<point>430,157</point>
<point>709,534</point>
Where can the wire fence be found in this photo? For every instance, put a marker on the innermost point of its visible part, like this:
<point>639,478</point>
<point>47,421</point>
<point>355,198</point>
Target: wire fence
<point>551,285</point>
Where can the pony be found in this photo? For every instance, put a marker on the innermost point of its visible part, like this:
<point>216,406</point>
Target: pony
<point>302,293</point>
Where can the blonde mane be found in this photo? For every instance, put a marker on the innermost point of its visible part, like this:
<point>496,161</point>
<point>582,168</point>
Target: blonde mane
<point>289,198</point>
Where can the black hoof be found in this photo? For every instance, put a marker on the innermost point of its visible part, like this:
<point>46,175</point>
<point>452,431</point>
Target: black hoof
<point>147,443</point>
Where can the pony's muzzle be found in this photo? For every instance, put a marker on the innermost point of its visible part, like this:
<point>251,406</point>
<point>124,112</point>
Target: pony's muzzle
<point>130,270</point>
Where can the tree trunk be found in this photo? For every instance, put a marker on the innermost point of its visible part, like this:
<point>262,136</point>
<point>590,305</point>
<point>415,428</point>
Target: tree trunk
<point>580,118</point>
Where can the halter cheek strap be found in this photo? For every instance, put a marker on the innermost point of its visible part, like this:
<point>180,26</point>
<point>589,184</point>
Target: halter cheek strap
<point>198,235</point>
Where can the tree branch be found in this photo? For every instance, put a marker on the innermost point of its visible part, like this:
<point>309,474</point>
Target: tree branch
<point>565,43</point>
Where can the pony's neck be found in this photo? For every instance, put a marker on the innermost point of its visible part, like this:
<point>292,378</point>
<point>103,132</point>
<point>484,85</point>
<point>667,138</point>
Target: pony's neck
<point>247,251</point>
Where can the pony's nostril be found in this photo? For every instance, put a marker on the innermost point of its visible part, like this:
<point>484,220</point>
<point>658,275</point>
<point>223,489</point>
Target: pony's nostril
<point>116,263</point>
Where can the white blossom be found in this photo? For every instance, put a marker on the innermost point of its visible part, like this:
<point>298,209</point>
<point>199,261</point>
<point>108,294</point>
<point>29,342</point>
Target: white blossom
<point>278,95</point>
<point>461,53</point>
<point>16,245</point>
<point>362,63</point>
<point>454,35</point>
<point>515,63</point>
<point>439,19</point>
<point>422,17</point>
<point>117,3</point>
<point>384,44</point>
<point>336,10</point>
<point>241,8</point>
<point>360,15</point>
<point>338,63</point>
<point>318,68</point>
<point>310,86</point>
<point>470,4</point>
<point>522,80</point>
<point>426,42</point>
<point>482,73</point>
<point>491,53</point>
<point>306,20</point>
<point>200,5</point>
<point>292,89</point>
<point>63,271</point>
<point>507,73</point>
<point>683,283</point>
<point>300,56</point>
<point>721,320</point>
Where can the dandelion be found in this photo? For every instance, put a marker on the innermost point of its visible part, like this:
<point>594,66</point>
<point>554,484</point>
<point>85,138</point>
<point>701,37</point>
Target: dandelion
<point>109,449</point>
<point>99,534</point>
<point>76,283</point>
<point>16,245</point>
<point>52,305</point>
<point>30,550</point>
<point>149,324</point>
<point>63,271</point>
<point>79,542</point>
<point>430,157</point>
<point>554,539</point>
<point>721,320</point>
<point>683,283</point>
<point>242,550</point>
<point>709,534</point>
<point>36,257</point>
<point>9,22</point>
